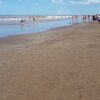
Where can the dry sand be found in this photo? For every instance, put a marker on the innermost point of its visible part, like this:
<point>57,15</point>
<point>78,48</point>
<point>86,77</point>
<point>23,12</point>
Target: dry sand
<point>59,64</point>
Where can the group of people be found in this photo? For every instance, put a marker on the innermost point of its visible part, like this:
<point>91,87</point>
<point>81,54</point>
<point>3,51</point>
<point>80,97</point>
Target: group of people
<point>96,18</point>
<point>23,20</point>
<point>85,18</point>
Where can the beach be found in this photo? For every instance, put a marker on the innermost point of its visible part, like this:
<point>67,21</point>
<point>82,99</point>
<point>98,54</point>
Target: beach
<point>59,64</point>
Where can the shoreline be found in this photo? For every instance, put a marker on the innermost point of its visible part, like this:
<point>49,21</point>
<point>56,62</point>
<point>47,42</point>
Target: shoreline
<point>31,27</point>
<point>59,27</point>
<point>19,37</point>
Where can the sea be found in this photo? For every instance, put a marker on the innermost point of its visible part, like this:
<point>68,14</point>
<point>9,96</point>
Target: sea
<point>11,25</point>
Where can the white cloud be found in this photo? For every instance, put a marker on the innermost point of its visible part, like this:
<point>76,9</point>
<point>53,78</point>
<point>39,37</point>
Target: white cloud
<point>58,1</point>
<point>84,2</point>
<point>36,4</point>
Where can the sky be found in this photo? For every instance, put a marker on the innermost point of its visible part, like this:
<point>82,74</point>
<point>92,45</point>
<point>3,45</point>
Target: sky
<point>49,7</point>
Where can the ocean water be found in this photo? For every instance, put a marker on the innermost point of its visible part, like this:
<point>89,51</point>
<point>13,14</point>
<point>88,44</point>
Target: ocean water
<point>8,28</point>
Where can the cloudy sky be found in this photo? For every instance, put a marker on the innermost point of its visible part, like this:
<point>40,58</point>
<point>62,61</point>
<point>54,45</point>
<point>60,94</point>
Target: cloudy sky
<point>49,7</point>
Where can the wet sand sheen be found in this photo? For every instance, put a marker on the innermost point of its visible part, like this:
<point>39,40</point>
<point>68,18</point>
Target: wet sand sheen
<point>15,28</point>
<point>61,63</point>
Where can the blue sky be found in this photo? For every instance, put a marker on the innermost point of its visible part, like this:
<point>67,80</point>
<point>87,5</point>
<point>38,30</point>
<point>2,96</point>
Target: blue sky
<point>49,7</point>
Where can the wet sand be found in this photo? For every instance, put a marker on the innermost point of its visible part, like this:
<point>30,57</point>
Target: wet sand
<point>59,64</point>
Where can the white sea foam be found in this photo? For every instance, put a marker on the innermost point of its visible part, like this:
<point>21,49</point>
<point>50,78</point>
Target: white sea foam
<point>10,19</point>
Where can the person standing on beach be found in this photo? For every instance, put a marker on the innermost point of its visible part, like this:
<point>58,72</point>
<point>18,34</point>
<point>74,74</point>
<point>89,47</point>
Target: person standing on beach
<point>76,18</point>
<point>73,19</point>
<point>22,21</point>
<point>94,18</point>
<point>88,17</point>
<point>33,18</point>
<point>83,18</point>
<point>98,18</point>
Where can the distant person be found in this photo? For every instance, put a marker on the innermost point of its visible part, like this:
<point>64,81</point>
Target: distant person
<point>88,17</point>
<point>76,19</point>
<point>83,18</point>
<point>22,21</point>
<point>94,18</point>
<point>98,19</point>
<point>33,18</point>
<point>72,19</point>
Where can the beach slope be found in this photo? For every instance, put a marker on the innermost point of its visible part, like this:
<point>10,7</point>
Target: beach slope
<point>59,64</point>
